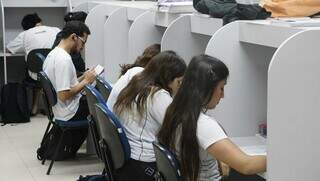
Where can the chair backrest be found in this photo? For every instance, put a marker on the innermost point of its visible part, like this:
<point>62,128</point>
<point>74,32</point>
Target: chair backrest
<point>104,87</point>
<point>93,97</point>
<point>36,58</point>
<point>167,164</point>
<point>50,95</point>
<point>112,133</point>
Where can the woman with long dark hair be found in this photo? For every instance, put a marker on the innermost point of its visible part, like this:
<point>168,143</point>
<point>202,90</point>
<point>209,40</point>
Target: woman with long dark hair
<point>141,106</point>
<point>198,139</point>
<point>130,70</point>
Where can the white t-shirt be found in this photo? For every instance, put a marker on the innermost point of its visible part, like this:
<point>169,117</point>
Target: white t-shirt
<point>208,132</point>
<point>62,74</point>
<point>121,84</point>
<point>141,131</point>
<point>16,45</point>
<point>34,38</point>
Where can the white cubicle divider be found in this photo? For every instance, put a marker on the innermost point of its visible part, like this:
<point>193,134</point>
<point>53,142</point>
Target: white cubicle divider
<point>150,28</point>
<point>143,33</point>
<point>110,22</point>
<point>247,49</point>
<point>94,47</point>
<point>188,35</point>
<point>116,36</point>
<point>245,101</point>
<point>115,43</point>
<point>293,109</point>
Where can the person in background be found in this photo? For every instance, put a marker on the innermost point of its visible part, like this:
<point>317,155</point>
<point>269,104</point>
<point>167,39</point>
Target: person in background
<point>143,59</point>
<point>198,139</point>
<point>75,16</point>
<point>35,36</point>
<point>77,59</point>
<point>130,70</point>
<point>141,106</point>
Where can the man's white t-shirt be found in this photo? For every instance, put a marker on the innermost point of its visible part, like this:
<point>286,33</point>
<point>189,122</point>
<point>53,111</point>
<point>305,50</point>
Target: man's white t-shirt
<point>121,84</point>
<point>208,132</point>
<point>142,131</point>
<point>34,38</point>
<point>62,74</point>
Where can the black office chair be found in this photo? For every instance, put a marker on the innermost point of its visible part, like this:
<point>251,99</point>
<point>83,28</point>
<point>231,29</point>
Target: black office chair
<point>36,58</point>
<point>168,167</point>
<point>50,99</point>
<point>94,97</point>
<point>35,61</point>
<point>104,87</point>
<point>114,143</point>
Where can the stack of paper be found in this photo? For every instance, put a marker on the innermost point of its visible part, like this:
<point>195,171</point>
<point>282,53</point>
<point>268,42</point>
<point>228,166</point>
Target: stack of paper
<point>175,6</point>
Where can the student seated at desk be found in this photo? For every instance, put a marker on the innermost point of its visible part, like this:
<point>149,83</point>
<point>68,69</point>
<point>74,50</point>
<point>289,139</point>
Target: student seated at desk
<point>58,66</point>
<point>130,70</point>
<point>35,35</point>
<point>77,59</point>
<point>141,106</point>
<point>198,139</point>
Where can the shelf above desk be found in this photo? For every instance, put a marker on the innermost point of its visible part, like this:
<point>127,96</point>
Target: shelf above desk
<point>204,24</point>
<point>164,19</point>
<point>261,32</point>
<point>134,8</point>
<point>11,55</point>
<point>35,3</point>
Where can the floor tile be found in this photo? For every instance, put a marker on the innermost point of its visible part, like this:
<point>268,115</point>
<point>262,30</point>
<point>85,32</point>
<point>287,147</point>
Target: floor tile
<point>19,143</point>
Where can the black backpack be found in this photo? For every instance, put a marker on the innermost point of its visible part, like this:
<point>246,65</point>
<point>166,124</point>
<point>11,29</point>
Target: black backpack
<point>14,106</point>
<point>71,143</point>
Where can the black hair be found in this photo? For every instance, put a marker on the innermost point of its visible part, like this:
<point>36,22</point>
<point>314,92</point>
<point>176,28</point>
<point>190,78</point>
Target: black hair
<point>199,82</point>
<point>75,16</point>
<point>77,27</point>
<point>30,21</point>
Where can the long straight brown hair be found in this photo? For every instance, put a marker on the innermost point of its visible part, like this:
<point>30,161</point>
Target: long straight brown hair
<point>159,72</point>
<point>200,80</point>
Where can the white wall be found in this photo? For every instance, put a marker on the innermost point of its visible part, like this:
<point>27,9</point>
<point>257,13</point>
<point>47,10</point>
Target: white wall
<point>13,17</point>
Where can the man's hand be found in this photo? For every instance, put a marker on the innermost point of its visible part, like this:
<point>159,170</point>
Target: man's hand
<point>89,76</point>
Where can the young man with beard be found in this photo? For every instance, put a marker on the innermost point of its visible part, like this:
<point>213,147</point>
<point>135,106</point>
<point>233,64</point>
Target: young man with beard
<point>71,105</point>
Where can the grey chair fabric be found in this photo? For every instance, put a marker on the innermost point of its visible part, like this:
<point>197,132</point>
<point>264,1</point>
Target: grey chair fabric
<point>110,137</point>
